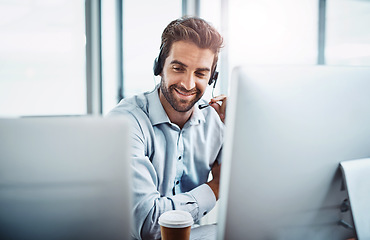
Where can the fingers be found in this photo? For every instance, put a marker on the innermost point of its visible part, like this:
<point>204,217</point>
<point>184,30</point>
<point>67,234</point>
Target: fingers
<point>220,108</point>
<point>221,97</point>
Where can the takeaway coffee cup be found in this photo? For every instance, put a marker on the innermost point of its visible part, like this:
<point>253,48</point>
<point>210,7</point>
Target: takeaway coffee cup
<point>175,225</point>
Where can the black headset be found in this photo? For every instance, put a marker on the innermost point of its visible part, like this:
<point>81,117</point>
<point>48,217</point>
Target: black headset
<point>158,67</point>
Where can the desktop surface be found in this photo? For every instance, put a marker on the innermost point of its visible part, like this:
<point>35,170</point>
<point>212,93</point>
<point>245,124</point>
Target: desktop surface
<point>288,128</point>
<point>64,178</point>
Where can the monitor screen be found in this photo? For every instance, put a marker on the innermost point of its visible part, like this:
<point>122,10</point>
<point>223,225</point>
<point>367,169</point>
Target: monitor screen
<point>64,178</point>
<point>287,130</point>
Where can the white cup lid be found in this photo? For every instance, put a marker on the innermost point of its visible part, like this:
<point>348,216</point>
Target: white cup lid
<point>176,219</point>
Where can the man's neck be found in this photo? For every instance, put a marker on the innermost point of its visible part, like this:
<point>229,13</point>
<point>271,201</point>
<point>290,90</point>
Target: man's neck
<point>178,118</point>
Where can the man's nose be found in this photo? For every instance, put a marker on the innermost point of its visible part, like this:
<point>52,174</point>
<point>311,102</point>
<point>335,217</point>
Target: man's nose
<point>189,81</point>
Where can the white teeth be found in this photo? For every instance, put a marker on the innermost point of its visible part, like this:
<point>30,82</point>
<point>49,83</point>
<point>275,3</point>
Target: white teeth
<point>185,94</point>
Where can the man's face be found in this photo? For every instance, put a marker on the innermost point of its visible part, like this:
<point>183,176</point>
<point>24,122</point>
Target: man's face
<point>185,75</point>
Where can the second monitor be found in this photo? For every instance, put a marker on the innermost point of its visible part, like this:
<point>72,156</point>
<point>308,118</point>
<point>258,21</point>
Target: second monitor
<point>288,127</point>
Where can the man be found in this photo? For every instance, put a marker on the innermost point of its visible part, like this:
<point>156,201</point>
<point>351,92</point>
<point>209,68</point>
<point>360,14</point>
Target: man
<point>176,144</point>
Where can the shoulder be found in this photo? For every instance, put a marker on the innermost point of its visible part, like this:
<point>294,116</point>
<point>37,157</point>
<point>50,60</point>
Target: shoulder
<point>135,106</point>
<point>128,105</point>
<point>135,109</point>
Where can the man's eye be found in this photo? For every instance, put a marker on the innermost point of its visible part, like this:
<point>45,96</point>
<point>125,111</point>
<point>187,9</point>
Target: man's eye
<point>178,69</point>
<point>200,75</point>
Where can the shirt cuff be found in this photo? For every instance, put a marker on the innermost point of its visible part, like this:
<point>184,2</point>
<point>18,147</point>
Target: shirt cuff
<point>205,198</point>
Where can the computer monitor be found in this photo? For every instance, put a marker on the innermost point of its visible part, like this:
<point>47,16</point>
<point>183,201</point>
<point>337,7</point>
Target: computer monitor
<point>64,178</point>
<point>287,130</point>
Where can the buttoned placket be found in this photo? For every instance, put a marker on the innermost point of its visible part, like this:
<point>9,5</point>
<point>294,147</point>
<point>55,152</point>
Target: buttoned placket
<point>179,163</point>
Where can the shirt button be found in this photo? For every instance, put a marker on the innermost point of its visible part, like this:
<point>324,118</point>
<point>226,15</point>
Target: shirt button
<point>204,213</point>
<point>177,182</point>
<point>179,158</point>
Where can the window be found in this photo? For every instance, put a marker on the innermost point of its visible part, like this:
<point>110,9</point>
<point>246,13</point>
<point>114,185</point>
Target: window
<point>43,45</point>
<point>210,10</point>
<point>273,32</point>
<point>111,50</point>
<point>347,32</point>
<point>42,60</point>
<point>142,30</point>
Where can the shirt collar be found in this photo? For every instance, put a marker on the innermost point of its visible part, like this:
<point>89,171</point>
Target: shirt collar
<point>197,117</point>
<point>158,115</point>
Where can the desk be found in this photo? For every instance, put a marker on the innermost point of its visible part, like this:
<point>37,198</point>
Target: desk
<point>204,232</point>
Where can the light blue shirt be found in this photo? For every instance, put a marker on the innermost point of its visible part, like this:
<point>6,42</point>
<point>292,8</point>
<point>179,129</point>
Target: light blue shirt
<point>170,165</point>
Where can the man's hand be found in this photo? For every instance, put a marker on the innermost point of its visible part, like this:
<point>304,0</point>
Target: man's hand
<point>214,184</point>
<point>220,109</point>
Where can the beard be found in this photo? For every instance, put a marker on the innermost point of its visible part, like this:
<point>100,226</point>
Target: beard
<point>180,105</point>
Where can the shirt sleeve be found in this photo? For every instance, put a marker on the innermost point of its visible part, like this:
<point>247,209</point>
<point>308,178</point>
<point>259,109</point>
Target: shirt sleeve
<point>149,205</point>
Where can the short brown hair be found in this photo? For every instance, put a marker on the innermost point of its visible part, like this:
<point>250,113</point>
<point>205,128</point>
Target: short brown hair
<point>193,29</point>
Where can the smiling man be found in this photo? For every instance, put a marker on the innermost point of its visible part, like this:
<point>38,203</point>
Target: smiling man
<point>175,143</point>
<point>185,76</point>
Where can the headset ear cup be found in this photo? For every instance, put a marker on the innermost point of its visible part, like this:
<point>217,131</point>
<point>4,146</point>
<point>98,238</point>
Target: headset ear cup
<point>210,81</point>
<point>158,63</point>
<point>157,67</point>
<point>213,78</point>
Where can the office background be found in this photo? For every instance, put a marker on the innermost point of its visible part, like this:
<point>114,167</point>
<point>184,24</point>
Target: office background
<point>77,57</point>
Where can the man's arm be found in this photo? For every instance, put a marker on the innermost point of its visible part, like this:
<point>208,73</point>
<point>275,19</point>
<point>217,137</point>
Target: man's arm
<point>148,204</point>
<point>214,184</point>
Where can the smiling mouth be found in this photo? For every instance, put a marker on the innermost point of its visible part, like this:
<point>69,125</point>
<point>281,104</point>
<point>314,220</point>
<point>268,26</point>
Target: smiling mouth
<point>186,94</point>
